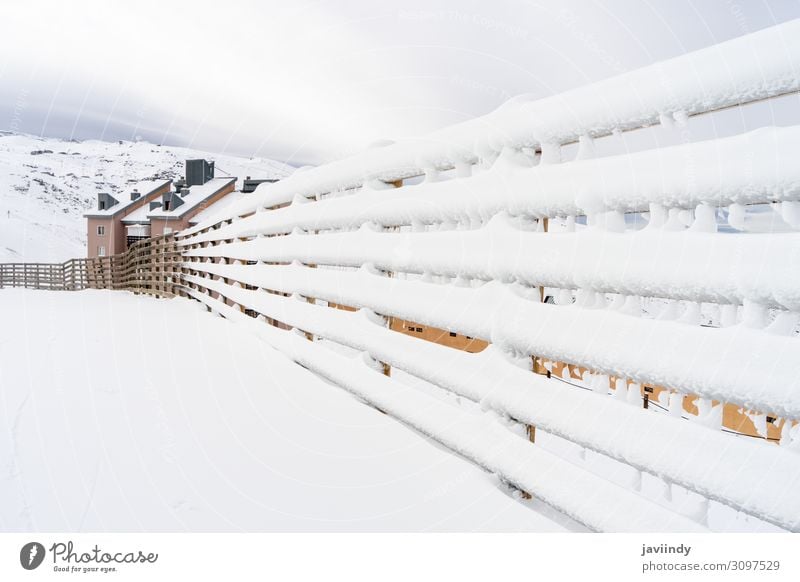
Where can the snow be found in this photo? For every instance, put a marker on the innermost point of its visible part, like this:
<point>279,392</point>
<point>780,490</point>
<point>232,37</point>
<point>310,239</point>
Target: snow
<point>198,195</point>
<point>218,207</point>
<point>138,216</point>
<point>124,199</point>
<point>738,364</point>
<point>750,68</point>
<point>678,261</point>
<point>650,262</point>
<point>43,196</point>
<point>211,431</point>
<point>707,462</point>
<point>595,502</point>
<point>755,167</point>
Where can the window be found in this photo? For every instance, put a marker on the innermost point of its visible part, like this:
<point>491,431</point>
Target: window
<point>453,334</point>
<point>102,205</point>
<point>166,205</point>
<point>101,230</point>
<point>167,230</point>
<point>101,251</point>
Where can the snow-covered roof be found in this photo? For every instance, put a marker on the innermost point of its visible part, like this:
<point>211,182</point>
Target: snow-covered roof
<point>216,207</point>
<point>138,215</point>
<point>145,188</point>
<point>197,196</point>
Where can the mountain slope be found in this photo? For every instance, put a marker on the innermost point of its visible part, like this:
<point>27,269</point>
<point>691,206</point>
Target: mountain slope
<point>47,184</point>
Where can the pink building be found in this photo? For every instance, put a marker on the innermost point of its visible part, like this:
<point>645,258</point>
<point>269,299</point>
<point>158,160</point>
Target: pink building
<point>155,208</point>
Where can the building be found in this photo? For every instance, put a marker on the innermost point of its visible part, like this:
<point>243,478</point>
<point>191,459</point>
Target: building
<point>106,231</point>
<point>155,207</point>
<point>161,207</point>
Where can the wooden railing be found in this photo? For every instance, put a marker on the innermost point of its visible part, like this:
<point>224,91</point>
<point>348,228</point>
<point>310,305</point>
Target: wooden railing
<point>67,276</point>
<point>148,266</point>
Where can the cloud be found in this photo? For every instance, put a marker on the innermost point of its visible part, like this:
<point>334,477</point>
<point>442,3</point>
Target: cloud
<point>312,81</point>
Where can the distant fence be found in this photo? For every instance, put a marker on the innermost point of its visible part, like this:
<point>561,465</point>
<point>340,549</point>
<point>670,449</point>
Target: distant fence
<point>148,266</point>
<point>67,276</point>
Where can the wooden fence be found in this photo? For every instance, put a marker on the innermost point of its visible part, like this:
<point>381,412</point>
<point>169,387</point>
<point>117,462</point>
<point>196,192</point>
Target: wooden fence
<point>67,276</point>
<point>148,266</point>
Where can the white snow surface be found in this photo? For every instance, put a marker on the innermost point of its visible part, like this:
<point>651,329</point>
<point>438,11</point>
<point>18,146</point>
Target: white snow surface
<point>126,413</point>
<point>43,195</point>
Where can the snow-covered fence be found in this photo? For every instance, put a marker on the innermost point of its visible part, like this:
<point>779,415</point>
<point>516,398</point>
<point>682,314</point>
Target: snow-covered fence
<point>608,273</point>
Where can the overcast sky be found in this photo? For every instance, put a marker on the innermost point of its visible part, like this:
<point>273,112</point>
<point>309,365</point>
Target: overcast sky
<point>306,82</point>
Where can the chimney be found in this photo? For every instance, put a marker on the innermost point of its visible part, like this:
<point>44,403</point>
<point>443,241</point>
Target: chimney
<point>198,172</point>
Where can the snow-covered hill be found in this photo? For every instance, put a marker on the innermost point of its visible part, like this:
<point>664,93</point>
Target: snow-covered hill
<point>47,184</point>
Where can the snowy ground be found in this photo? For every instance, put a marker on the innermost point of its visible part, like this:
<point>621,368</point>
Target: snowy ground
<point>47,184</point>
<point>120,412</point>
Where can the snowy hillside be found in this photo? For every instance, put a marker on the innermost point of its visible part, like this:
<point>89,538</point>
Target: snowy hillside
<point>47,184</point>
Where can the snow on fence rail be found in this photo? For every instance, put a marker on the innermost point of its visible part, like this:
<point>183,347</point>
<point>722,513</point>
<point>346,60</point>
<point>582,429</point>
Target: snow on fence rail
<point>755,167</point>
<point>710,362</point>
<point>651,262</point>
